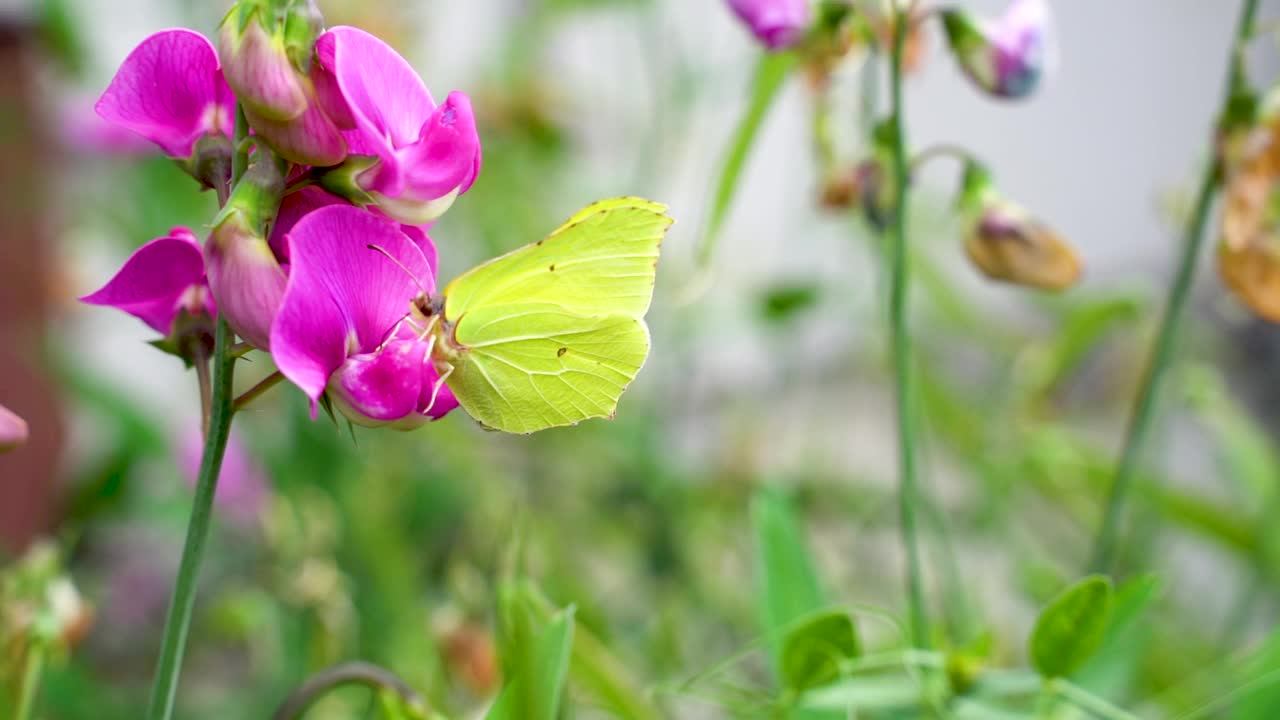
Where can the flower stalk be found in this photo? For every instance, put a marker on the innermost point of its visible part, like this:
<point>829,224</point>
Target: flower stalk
<point>900,341</point>
<point>1104,549</point>
<point>178,621</point>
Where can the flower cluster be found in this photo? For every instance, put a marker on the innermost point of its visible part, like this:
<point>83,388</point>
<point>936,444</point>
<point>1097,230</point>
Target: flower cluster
<point>320,253</point>
<point>1005,57</point>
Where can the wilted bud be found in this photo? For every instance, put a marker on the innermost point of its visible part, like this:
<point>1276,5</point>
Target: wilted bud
<point>778,24</point>
<point>245,277</point>
<point>1249,256</point>
<point>1005,57</point>
<point>267,63</point>
<point>1008,244</point>
<point>13,430</point>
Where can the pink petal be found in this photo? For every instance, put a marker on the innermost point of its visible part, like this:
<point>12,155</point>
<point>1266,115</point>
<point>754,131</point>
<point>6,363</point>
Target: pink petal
<point>13,430</point>
<point>384,98</point>
<point>243,486</point>
<point>343,297</point>
<point>293,208</point>
<point>154,279</point>
<point>170,90</point>
<point>446,156</point>
<point>383,386</point>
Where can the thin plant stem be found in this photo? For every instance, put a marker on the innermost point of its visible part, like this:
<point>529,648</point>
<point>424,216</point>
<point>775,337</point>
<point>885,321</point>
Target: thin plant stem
<point>900,342</point>
<point>178,622</point>
<point>1087,701</point>
<point>352,673</point>
<point>257,391</point>
<point>177,625</point>
<point>30,687</point>
<point>1104,549</point>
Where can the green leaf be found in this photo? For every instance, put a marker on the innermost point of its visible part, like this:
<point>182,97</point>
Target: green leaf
<point>535,691</point>
<point>770,74</point>
<point>813,649</point>
<point>1071,628</point>
<point>1111,669</point>
<point>597,672</point>
<point>788,585</point>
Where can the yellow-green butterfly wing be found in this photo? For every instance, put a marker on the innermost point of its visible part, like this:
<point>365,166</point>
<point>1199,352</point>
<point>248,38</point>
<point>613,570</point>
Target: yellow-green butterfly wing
<point>552,333</point>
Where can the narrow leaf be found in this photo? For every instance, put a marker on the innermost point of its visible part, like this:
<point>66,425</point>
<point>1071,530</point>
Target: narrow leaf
<point>1072,627</point>
<point>788,585</point>
<point>770,74</point>
<point>536,690</point>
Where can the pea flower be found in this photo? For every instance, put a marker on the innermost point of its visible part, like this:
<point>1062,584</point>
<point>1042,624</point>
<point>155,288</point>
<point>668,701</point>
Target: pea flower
<point>13,430</point>
<point>778,24</point>
<point>409,157</point>
<point>170,90</point>
<point>1249,254</point>
<point>265,67</point>
<point>1007,244</point>
<point>163,284</point>
<point>351,321</point>
<point>1005,57</point>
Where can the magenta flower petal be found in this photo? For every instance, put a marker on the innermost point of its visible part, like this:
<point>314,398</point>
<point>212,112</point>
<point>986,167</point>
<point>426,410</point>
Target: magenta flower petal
<point>436,399</point>
<point>158,280</point>
<point>385,385</point>
<point>170,90</point>
<point>447,155</point>
<point>345,294</point>
<point>13,430</point>
<point>294,207</point>
<point>378,91</point>
<point>778,24</point>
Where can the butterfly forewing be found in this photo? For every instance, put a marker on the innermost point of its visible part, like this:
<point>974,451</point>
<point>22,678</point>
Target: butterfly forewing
<point>601,261</point>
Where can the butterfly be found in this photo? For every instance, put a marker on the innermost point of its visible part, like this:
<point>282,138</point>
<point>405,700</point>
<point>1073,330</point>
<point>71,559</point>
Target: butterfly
<point>552,333</point>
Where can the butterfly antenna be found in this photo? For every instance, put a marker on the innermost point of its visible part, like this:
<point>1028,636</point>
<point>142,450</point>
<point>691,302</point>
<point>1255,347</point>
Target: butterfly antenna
<point>394,259</point>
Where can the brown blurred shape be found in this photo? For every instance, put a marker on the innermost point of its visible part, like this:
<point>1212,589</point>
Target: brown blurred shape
<point>27,475</point>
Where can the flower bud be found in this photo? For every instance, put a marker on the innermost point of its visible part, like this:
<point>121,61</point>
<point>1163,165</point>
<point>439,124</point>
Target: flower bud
<point>1007,244</point>
<point>267,63</point>
<point>258,68</point>
<point>778,24</point>
<point>244,275</point>
<point>1005,57</point>
<point>13,430</point>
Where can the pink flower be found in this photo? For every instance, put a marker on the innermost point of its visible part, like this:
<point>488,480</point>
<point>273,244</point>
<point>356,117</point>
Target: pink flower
<point>13,430</point>
<point>1006,56</point>
<point>243,486</point>
<point>778,24</point>
<point>159,281</point>
<point>350,322</point>
<point>170,90</point>
<point>417,156</point>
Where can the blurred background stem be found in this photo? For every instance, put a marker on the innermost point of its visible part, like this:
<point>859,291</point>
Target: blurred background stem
<point>1104,549</point>
<point>900,342</point>
<point>178,622</point>
<point>30,681</point>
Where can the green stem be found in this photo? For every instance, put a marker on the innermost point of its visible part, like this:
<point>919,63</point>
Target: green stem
<point>901,347</point>
<point>257,391</point>
<point>178,621</point>
<point>352,673</point>
<point>1088,702</point>
<point>1104,548</point>
<point>34,666</point>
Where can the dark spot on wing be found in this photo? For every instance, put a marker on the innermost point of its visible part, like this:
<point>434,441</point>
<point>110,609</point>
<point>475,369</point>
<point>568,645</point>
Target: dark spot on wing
<point>552,268</point>
<point>562,351</point>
